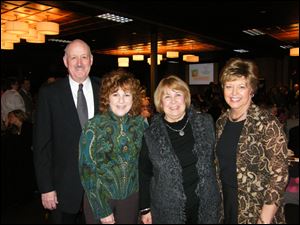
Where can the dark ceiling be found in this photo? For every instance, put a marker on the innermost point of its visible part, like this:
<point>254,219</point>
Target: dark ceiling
<point>187,26</point>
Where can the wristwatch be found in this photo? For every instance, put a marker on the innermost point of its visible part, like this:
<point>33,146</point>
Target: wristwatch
<point>145,211</point>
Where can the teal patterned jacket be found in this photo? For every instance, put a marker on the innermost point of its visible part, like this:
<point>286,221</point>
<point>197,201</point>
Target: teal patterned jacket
<point>109,148</point>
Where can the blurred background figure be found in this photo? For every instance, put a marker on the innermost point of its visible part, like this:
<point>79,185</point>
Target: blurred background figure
<point>18,177</point>
<point>11,99</point>
<point>25,92</point>
<point>147,110</point>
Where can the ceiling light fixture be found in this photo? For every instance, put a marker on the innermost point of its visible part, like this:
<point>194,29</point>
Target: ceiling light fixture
<point>123,62</point>
<point>149,61</point>
<point>137,57</point>
<point>115,18</point>
<point>9,37</point>
<point>191,58</point>
<point>286,46</point>
<point>172,54</point>
<point>240,50</point>
<point>48,28</point>
<point>253,32</point>
<point>59,40</point>
<point>294,51</point>
<point>16,27</point>
<point>184,57</point>
<point>40,38</point>
<point>32,33</point>
<point>159,57</point>
<point>7,45</point>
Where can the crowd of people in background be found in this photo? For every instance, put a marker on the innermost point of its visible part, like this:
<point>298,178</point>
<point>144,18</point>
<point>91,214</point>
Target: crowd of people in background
<point>118,119</point>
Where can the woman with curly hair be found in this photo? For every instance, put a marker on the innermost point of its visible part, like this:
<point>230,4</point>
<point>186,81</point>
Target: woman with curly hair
<point>109,148</point>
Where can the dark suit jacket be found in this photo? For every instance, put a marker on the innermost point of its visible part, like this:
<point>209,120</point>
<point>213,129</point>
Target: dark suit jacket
<point>56,140</point>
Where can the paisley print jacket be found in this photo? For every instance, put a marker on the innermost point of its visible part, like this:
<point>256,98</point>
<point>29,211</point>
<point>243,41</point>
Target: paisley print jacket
<point>108,159</point>
<point>261,164</point>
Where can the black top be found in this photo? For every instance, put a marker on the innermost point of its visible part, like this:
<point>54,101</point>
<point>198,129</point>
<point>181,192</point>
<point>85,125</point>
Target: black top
<point>226,152</point>
<point>183,146</point>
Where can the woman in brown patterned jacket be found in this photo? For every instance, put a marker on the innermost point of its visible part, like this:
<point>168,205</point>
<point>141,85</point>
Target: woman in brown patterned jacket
<point>251,151</point>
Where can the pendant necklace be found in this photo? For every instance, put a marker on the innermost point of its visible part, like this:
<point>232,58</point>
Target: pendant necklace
<point>181,132</point>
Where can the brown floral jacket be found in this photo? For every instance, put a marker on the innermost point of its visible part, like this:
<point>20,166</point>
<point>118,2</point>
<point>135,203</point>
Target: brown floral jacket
<point>262,166</point>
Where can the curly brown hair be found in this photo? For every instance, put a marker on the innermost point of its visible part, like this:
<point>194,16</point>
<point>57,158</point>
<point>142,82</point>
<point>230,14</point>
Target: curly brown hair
<point>116,79</point>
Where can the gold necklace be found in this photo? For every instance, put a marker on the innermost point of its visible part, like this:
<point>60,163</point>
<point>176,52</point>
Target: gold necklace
<point>237,118</point>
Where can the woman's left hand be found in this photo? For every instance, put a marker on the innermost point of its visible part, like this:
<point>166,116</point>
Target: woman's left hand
<point>108,220</point>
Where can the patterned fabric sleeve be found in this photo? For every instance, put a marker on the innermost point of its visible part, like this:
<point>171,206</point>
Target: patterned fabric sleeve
<point>97,195</point>
<point>276,152</point>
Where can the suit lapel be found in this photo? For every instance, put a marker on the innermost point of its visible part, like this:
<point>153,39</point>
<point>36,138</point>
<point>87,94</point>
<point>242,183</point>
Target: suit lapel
<point>67,102</point>
<point>95,86</point>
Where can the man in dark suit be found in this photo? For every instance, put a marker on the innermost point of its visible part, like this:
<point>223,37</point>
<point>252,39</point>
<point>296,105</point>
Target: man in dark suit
<point>57,132</point>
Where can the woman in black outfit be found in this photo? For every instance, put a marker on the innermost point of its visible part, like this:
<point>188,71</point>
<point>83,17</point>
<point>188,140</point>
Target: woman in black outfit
<point>176,168</point>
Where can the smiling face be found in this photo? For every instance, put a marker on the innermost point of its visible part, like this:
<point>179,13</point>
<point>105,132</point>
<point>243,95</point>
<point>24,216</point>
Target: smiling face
<point>238,94</point>
<point>78,59</point>
<point>120,102</point>
<point>173,104</point>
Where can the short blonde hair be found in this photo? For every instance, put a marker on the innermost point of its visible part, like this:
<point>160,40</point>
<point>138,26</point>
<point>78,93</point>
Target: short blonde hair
<point>172,82</point>
<point>236,68</point>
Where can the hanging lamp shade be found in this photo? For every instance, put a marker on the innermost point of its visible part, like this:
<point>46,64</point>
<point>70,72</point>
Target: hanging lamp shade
<point>294,51</point>
<point>191,58</point>
<point>137,57</point>
<point>16,27</point>
<point>172,54</point>
<point>123,62</point>
<point>39,39</point>
<point>184,57</point>
<point>159,57</point>
<point>48,28</point>
<point>149,61</point>
<point>7,45</point>
<point>9,37</point>
<point>32,33</point>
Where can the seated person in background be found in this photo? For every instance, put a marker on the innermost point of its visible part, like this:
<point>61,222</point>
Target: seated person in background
<point>17,124</point>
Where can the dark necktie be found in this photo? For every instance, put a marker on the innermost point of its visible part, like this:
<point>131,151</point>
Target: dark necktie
<point>82,106</point>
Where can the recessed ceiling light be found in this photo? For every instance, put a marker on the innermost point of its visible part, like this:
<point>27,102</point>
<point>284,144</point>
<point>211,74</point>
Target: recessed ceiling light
<point>253,32</point>
<point>59,40</point>
<point>113,17</point>
<point>285,46</point>
<point>241,50</point>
